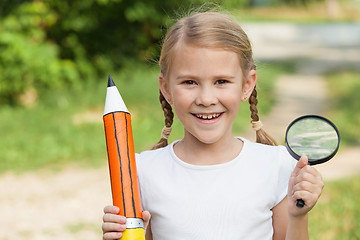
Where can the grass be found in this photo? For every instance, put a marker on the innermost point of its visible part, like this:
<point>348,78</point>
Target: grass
<point>65,127</point>
<point>344,88</point>
<point>337,214</point>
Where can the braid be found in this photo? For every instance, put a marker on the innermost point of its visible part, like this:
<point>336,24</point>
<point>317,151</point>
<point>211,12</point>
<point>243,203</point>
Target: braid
<point>253,102</point>
<point>169,118</point>
<point>261,135</point>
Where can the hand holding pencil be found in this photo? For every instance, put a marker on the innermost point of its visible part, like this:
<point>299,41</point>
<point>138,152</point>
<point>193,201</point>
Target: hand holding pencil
<point>114,224</point>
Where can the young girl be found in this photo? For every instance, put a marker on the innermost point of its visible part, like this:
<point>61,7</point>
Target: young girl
<point>211,185</point>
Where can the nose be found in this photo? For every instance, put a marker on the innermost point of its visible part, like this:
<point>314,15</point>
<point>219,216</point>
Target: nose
<point>206,97</point>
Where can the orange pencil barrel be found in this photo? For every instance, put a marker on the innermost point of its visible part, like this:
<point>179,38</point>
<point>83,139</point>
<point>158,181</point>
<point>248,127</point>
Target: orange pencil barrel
<point>122,167</point>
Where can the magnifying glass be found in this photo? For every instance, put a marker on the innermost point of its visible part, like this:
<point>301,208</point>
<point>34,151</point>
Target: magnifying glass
<point>314,136</point>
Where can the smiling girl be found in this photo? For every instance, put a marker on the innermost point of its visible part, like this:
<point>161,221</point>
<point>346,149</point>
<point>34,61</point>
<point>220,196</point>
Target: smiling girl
<point>210,184</point>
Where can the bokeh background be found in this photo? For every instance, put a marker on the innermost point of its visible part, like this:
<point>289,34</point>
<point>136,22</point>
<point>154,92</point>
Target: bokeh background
<point>55,57</point>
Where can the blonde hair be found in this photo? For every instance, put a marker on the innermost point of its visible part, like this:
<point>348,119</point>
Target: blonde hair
<point>211,30</point>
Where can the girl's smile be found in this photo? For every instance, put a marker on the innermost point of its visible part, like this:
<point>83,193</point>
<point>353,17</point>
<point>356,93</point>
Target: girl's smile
<point>208,118</point>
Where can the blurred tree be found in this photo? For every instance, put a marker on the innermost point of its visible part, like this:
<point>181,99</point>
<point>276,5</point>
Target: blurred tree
<point>51,43</point>
<point>28,60</point>
<point>6,6</point>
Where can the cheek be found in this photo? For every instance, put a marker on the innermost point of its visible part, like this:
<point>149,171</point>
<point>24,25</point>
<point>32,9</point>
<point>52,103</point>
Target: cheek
<point>181,100</point>
<point>181,95</point>
<point>232,97</point>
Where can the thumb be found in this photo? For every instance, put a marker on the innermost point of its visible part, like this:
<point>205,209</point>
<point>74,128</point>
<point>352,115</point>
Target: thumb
<point>146,217</point>
<point>303,161</point>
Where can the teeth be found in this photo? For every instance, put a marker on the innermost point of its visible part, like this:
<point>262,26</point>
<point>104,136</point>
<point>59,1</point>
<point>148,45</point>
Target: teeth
<point>210,116</point>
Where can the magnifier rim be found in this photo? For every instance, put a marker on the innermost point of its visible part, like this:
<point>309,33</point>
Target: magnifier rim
<point>312,161</point>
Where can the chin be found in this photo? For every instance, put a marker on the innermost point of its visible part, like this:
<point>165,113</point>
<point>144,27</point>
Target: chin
<point>207,140</point>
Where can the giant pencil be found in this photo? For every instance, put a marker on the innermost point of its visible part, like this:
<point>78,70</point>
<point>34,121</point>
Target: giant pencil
<point>122,168</point>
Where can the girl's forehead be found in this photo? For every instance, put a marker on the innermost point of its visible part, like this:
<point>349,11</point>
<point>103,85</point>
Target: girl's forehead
<point>202,54</point>
<point>197,60</point>
<point>189,51</point>
<point>183,46</point>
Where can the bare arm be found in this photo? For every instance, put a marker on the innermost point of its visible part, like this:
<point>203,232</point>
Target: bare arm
<point>286,227</point>
<point>280,220</point>
<point>148,234</point>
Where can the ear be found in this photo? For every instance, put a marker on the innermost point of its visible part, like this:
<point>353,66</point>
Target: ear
<point>164,88</point>
<point>249,84</point>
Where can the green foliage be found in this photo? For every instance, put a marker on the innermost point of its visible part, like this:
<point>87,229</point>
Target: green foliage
<point>27,58</point>
<point>344,88</point>
<point>231,4</point>
<point>112,29</point>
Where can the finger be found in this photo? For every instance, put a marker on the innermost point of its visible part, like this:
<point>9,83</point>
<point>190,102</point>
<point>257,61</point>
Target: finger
<point>314,172</point>
<point>310,199</point>
<point>305,175</point>
<point>308,183</point>
<point>146,217</point>
<point>109,217</point>
<point>113,227</point>
<point>111,209</point>
<point>310,174</point>
<point>303,161</point>
<point>309,187</point>
<point>112,235</point>
<point>303,186</point>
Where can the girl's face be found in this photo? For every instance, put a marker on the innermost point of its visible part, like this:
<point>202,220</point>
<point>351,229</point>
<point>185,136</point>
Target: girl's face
<point>205,87</point>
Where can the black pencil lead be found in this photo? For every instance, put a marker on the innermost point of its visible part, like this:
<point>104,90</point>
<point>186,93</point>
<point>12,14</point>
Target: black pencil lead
<point>110,82</point>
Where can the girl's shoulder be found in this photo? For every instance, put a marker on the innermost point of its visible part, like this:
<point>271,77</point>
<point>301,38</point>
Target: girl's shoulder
<point>262,148</point>
<point>273,154</point>
<point>149,154</point>
<point>152,156</point>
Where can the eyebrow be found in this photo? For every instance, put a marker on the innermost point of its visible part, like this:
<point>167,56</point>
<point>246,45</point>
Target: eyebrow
<point>186,76</point>
<point>220,76</point>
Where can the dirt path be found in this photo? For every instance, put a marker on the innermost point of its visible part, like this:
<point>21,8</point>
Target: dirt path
<point>59,206</point>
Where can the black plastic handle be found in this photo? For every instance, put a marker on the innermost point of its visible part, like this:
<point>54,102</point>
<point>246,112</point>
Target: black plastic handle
<point>300,203</point>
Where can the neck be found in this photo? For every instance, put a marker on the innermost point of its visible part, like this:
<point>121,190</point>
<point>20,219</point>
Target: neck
<point>195,152</point>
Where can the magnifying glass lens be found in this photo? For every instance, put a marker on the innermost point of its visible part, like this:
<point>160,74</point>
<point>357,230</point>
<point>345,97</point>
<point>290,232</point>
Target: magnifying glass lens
<point>314,137</point>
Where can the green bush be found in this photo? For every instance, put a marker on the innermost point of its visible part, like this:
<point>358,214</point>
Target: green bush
<point>344,90</point>
<point>27,58</point>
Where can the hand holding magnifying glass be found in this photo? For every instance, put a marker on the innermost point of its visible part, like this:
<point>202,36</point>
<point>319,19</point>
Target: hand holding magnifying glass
<point>313,136</point>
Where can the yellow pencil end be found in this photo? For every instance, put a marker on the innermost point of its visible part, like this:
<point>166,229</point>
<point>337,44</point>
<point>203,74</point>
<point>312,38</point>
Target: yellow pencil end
<point>133,234</point>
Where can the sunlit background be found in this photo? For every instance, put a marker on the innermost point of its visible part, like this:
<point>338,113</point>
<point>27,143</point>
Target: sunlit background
<point>55,57</point>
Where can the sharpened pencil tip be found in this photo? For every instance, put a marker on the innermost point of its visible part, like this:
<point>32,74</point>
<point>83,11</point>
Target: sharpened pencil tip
<point>110,82</point>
